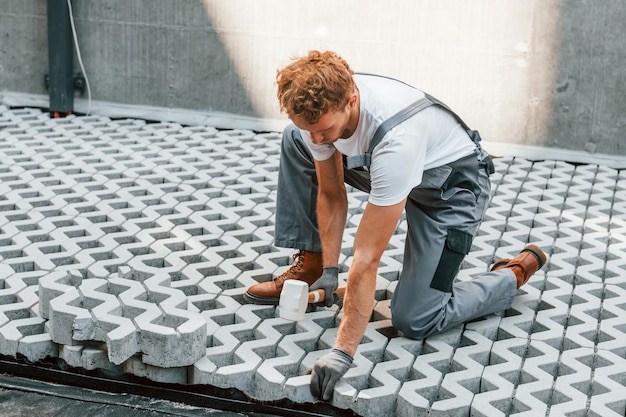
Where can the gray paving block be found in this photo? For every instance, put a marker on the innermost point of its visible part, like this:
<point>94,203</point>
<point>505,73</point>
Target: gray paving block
<point>422,389</point>
<point>22,330</point>
<point>583,321</point>
<point>608,385</point>
<point>357,379</point>
<point>534,390</point>
<point>249,356</point>
<point>499,378</point>
<point>178,221</point>
<point>112,311</point>
<point>55,284</point>
<point>64,310</point>
<point>174,375</point>
<point>220,367</point>
<point>72,355</point>
<point>96,357</point>
<point>463,379</point>
<point>612,331</point>
<point>272,376</point>
<point>553,312</point>
<point>178,335</point>
<point>573,384</point>
<point>297,384</point>
<point>106,322</point>
<point>387,376</point>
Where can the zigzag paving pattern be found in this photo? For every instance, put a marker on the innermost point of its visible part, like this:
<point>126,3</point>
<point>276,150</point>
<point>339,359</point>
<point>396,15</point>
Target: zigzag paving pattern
<point>127,246</point>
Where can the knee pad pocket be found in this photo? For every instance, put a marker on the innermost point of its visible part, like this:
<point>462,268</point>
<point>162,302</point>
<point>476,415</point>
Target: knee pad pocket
<point>458,244</point>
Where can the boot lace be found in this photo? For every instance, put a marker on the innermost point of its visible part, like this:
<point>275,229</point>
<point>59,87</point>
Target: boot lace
<point>298,258</point>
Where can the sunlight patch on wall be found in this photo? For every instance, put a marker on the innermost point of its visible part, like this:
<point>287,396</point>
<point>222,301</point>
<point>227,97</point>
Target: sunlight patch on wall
<point>494,61</point>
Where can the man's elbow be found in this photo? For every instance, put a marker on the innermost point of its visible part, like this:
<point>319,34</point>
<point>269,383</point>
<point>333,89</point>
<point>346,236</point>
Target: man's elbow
<point>365,263</point>
<point>334,194</point>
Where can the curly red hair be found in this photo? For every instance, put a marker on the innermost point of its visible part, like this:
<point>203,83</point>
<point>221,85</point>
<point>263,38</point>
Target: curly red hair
<point>312,85</point>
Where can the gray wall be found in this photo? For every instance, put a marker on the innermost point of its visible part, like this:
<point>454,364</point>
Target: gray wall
<point>532,72</point>
<point>590,83</point>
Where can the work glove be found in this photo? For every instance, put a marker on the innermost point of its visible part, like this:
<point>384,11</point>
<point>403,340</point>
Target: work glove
<point>327,371</point>
<point>329,281</point>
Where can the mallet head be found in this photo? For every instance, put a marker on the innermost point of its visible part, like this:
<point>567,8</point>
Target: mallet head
<point>293,300</point>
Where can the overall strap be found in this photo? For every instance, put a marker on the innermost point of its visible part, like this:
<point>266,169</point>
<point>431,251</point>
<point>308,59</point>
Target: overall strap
<point>365,159</point>
<point>357,161</point>
<point>473,134</point>
<point>434,100</point>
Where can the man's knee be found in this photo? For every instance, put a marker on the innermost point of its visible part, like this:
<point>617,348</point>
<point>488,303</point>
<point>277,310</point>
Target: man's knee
<point>412,328</point>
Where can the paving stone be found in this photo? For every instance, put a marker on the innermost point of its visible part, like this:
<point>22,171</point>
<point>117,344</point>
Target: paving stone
<point>368,353</point>
<point>127,246</point>
<point>387,376</point>
<point>273,376</point>
<point>573,382</point>
<point>297,388</point>
<point>64,310</point>
<point>220,367</point>
<point>55,284</point>
<point>72,355</point>
<point>487,326</point>
<point>422,389</point>
<point>608,385</point>
<point>169,336</point>
<point>95,357</point>
<point>249,356</point>
<point>552,314</point>
<point>499,378</point>
<point>22,331</point>
<point>459,384</point>
<point>138,367</point>
<point>534,390</point>
<point>582,324</point>
<point>112,311</point>
<point>106,322</point>
<point>8,289</point>
<point>611,329</point>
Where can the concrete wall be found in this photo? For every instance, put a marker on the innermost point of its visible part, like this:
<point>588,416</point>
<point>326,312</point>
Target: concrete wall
<point>532,72</point>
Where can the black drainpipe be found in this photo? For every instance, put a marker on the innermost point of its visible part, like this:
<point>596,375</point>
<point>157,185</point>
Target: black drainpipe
<point>60,59</point>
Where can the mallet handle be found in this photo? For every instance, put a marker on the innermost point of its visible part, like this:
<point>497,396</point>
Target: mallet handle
<point>318,295</point>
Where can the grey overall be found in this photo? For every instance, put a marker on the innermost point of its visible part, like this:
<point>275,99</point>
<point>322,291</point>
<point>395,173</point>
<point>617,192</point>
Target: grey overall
<point>443,214</point>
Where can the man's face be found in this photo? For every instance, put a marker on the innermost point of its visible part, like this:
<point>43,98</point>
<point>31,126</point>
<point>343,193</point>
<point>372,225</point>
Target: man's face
<point>328,129</point>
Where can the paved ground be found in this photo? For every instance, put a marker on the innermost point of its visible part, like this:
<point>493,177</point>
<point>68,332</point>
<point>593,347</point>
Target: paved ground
<point>126,246</point>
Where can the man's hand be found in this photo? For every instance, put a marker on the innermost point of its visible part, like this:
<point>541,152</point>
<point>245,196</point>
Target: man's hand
<point>327,371</point>
<point>329,281</point>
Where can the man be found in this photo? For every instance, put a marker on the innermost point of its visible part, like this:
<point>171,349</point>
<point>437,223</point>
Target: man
<point>427,165</point>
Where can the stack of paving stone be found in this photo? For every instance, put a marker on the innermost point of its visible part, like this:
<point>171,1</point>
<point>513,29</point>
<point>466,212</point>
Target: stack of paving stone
<point>127,246</point>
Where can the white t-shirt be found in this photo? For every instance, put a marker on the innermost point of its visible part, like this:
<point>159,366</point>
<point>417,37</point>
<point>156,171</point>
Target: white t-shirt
<point>429,139</point>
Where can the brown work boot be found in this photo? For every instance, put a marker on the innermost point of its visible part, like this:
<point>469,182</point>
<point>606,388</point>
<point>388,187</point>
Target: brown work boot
<point>524,265</point>
<point>308,267</point>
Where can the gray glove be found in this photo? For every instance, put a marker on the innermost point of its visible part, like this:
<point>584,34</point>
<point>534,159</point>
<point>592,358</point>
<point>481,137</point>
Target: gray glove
<point>328,282</point>
<point>327,371</point>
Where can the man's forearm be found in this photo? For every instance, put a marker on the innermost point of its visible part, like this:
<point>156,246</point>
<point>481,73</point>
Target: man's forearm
<point>332,207</point>
<point>357,308</point>
<point>331,217</point>
<point>372,237</point>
